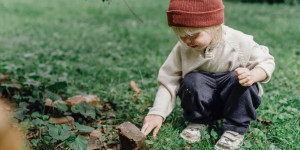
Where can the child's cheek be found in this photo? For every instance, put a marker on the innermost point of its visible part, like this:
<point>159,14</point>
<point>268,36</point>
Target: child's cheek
<point>204,42</point>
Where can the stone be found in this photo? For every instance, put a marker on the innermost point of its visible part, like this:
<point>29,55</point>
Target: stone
<point>68,120</point>
<point>131,138</point>
<point>51,108</point>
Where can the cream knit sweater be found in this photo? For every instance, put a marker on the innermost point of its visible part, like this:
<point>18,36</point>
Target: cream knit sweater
<point>236,50</point>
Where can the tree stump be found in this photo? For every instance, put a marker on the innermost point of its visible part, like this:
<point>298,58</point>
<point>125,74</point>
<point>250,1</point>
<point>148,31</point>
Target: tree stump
<point>131,138</point>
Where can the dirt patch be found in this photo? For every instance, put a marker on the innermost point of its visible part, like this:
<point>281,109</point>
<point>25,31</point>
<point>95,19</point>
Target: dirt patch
<point>9,131</point>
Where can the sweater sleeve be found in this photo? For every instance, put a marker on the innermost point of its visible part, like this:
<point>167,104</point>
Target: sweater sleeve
<point>168,80</point>
<point>260,58</point>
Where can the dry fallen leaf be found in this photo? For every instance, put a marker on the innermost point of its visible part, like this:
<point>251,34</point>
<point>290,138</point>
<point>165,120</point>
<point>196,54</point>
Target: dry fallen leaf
<point>4,77</point>
<point>135,89</point>
<point>264,122</point>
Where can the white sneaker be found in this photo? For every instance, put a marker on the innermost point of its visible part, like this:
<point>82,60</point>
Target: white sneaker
<point>192,132</point>
<point>229,140</point>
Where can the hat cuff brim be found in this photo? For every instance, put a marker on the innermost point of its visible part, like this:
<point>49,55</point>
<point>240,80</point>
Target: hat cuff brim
<point>195,19</point>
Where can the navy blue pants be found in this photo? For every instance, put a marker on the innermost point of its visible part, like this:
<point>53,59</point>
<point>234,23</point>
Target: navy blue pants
<point>206,97</point>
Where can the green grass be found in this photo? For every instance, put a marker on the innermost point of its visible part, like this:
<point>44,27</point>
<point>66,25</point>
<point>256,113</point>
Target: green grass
<point>99,47</point>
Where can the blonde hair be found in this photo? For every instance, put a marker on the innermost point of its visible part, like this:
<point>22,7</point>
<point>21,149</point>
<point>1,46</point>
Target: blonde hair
<point>215,31</point>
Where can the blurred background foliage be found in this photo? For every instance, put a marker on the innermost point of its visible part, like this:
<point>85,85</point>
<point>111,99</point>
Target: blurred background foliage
<point>289,2</point>
<point>98,46</point>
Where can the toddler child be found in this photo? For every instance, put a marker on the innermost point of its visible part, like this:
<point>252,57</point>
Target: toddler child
<point>215,71</point>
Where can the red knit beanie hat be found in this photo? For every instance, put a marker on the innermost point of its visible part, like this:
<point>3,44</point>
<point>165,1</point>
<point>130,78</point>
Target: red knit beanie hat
<point>195,13</point>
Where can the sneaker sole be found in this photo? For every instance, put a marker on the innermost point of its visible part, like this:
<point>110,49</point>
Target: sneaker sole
<point>188,139</point>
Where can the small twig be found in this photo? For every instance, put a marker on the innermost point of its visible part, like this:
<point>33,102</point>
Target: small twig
<point>133,12</point>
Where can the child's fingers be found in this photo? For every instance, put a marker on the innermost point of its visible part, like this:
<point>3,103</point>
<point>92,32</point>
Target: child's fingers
<point>144,128</point>
<point>247,83</point>
<point>156,130</point>
<point>244,75</point>
<point>148,130</point>
<point>245,80</point>
<point>239,71</point>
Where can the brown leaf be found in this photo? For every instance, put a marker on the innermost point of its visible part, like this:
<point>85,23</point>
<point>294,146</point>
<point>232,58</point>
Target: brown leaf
<point>264,122</point>
<point>105,145</point>
<point>4,77</point>
<point>135,89</point>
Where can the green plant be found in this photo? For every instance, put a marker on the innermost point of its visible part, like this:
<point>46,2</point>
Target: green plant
<point>96,49</point>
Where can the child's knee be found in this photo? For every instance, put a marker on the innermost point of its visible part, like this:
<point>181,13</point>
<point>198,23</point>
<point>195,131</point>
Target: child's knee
<point>192,81</point>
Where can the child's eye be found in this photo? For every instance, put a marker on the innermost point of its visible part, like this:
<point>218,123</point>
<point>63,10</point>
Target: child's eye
<point>183,38</point>
<point>189,36</point>
<point>195,35</point>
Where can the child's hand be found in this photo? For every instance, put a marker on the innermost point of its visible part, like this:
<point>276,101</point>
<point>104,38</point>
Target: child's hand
<point>245,76</point>
<point>150,122</point>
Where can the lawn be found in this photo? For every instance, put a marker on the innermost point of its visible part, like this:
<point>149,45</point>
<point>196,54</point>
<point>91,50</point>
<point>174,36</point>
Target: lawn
<point>98,48</point>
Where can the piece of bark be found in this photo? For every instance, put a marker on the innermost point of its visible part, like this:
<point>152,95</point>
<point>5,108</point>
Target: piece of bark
<point>95,140</point>
<point>51,108</point>
<point>131,138</point>
<point>71,101</point>
<point>93,100</point>
<point>48,102</point>
<point>67,120</point>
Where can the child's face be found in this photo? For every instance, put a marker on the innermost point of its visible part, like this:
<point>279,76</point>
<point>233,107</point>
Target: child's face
<point>198,41</point>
